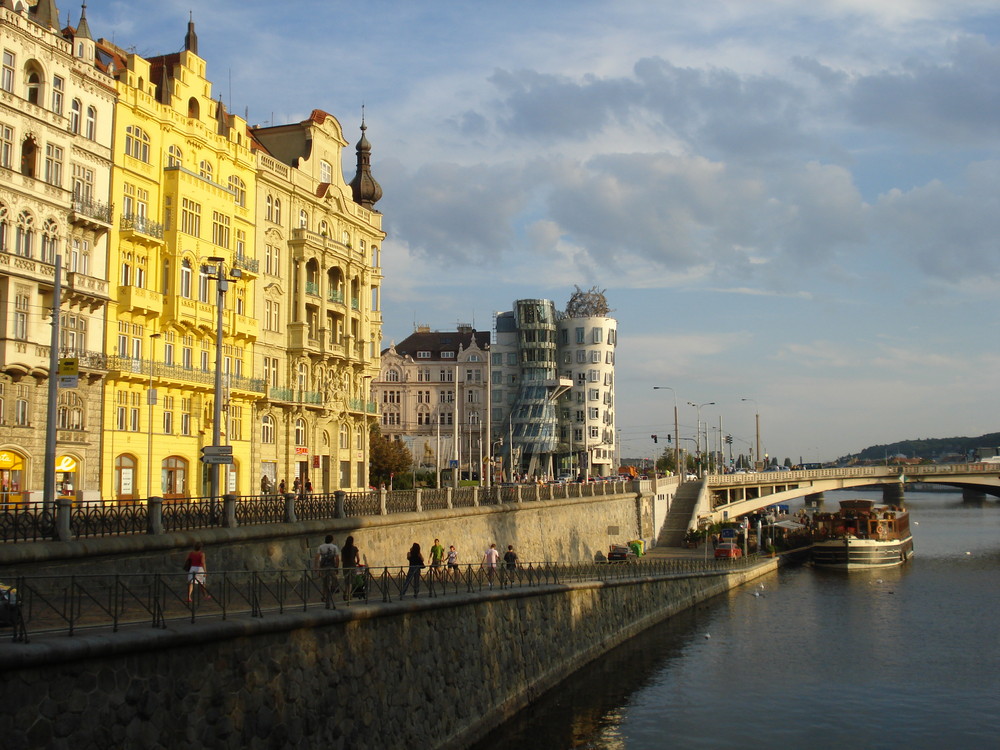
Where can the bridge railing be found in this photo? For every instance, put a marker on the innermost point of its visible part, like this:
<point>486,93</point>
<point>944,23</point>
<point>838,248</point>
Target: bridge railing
<point>907,472</point>
<point>68,519</point>
<point>72,605</point>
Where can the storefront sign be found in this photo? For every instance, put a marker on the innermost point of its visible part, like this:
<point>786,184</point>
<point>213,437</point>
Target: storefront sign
<point>66,463</point>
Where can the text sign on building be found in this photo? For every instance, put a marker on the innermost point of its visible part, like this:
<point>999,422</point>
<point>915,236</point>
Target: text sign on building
<point>69,372</point>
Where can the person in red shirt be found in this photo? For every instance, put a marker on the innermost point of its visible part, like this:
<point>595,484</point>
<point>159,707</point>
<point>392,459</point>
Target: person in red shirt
<point>197,567</point>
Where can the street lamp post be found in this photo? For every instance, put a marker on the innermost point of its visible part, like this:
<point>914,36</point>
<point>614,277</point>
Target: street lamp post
<point>701,468</point>
<point>677,437</point>
<point>151,400</point>
<point>756,410</point>
<point>222,284</point>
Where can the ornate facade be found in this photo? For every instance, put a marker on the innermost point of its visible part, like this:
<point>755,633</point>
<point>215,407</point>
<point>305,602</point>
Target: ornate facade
<point>319,300</point>
<point>56,136</point>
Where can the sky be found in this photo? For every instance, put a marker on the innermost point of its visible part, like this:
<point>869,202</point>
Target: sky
<point>792,208</point>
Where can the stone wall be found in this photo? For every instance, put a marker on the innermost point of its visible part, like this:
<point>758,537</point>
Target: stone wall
<point>428,673</point>
<point>568,530</point>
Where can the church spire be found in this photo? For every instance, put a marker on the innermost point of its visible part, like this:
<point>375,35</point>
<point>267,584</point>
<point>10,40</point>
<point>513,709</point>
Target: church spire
<point>191,39</point>
<point>364,188</point>
<point>83,28</point>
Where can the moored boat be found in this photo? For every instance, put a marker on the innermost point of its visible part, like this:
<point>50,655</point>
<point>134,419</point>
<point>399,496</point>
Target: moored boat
<point>861,536</point>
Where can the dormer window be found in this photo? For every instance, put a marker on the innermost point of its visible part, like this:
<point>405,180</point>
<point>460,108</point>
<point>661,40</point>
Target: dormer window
<point>447,355</point>
<point>423,355</point>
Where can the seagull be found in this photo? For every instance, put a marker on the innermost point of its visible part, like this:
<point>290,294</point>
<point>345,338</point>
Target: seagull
<point>707,636</point>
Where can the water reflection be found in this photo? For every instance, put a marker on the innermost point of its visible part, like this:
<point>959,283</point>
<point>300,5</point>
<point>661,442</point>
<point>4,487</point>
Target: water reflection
<point>903,657</point>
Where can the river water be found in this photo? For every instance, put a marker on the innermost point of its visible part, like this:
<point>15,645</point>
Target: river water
<point>900,658</point>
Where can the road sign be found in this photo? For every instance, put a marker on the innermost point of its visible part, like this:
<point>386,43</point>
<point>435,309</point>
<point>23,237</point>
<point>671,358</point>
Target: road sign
<point>217,450</point>
<point>728,533</point>
<point>69,366</point>
<point>211,459</point>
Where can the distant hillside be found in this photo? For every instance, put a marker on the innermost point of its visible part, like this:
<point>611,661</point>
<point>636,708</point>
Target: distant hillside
<point>932,448</point>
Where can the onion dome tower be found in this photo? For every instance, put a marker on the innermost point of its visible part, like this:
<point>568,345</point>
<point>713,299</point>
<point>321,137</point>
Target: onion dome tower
<point>365,190</point>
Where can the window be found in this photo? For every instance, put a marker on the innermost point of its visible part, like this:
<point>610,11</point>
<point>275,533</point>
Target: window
<point>7,74</point>
<point>190,217</point>
<point>300,432</point>
<point>345,437</point>
<point>205,169</point>
<point>239,190</point>
<point>75,112</point>
<point>272,315</point>
<point>69,412</point>
<point>277,210</point>
<point>174,156</point>
<point>137,143</point>
<point>598,335</point>
<point>58,87</point>
<point>267,429</point>
<point>579,336</point>
<point>241,243</point>
<point>24,235</point>
<point>235,422</point>
<point>271,371</point>
<point>53,164</point>
<point>90,130</point>
<point>168,422</point>
<point>185,416</point>
<point>303,219</point>
<point>186,279</point>
<point>50,242</point>
<point>447,355</point>
<point>204,276</point>
<point>21,316</point>
<point>83,183</point>
<point>34,88</point>
<point>272,259</point>
<point>220,229</point>
<point>6,145</point>
<point>325,172</point>
<point>269,211</point>
<point>204,361</point>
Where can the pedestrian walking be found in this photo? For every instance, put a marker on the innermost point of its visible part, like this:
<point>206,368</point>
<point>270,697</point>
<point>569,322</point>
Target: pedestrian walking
<point>196,565</point>
<point>281,487</point>
<point>327,564</point>
<point>452,561</point>
<point>350,558</point>
<point>416,560</point>
<point>490,560</point>
<point>510,558</point>
<point>265,485</point>
<point>437,557</point>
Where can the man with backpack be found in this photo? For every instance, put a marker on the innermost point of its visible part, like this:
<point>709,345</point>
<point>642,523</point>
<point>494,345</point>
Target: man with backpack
<point>327,563</point>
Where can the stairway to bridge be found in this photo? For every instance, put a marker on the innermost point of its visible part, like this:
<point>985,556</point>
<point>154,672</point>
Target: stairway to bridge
<point>678,519</point>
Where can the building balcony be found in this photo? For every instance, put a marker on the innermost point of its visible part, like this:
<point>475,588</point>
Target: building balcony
<point>362,406</point>
<point>251,265</point>
<point>90,213</point>
<point>139,299</point>
<point>294,396</point>
<point>336,295</point>
<point>133,224</point>
<point>241,325</point>
<point>312,288</point>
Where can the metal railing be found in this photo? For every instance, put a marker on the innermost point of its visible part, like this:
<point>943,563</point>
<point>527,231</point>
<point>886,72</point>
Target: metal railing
<point>68,519</point>
<point>70,605</point>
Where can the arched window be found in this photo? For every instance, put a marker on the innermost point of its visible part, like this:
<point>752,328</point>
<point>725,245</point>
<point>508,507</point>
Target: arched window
<point>75,113</point>
<point>346,238</point>
<point>239,189</point>
<point>29,156</point>
<point>186,278</point>
<point>303,378</point>
<point>392,376</point>
<point>91,126</point>
<point>137,143</point>
<point>34,88</point>
<point>50,241</point>
<point>269,203</point>
<point>375,258</point>
<point>194,109</point>
<point>25,235</point>
<point>324,228</point>
<point>69,412</point>
<point>277,210</point>
<point>303,219</point>
<point>173,476</point>
<point>345,437</point>
<point>300,432</point>
<point>125,477</point>
<point>267,429</point>
<point>205,169</point>
<point>174,156</point>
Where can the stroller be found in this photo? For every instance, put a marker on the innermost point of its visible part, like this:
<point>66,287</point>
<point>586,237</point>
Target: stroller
<point>356,583</point>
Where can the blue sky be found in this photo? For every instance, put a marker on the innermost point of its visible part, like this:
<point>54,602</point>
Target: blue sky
<point>794,203</point>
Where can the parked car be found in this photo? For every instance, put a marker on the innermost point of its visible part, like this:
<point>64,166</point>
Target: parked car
<point>728,550</point>
<point>621,553</point>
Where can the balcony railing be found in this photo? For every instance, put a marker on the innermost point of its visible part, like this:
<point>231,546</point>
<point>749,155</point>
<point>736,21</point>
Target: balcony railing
<point>336,295</point>
<point>312,287</point>
<point>93,209</point>
<point>296,396</point>
<point>247,264</point>
<point>179,372</point>
<point>143,225</point>
<point>359,404</point>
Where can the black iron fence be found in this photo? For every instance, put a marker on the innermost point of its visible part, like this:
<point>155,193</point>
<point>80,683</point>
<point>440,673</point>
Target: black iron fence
<point>70,605</point>
<point>68,519</point>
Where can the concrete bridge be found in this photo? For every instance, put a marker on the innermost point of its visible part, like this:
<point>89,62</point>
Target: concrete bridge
<point>723,496</point>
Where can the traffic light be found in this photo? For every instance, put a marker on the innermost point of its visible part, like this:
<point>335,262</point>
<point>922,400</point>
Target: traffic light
<point>670,438</point>
<point>654,438</point>
<point>729,439</point>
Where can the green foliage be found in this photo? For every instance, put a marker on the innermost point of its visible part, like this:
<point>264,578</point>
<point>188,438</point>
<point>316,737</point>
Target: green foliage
<point>927,448</point>
<point>388,458</point>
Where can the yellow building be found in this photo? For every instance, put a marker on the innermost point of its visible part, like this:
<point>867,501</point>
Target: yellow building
<point>56,116</point>
<point>184,198</point>
<point>319,239</point>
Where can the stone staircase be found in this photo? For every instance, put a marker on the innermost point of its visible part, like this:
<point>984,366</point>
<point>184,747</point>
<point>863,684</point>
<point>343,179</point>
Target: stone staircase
<point>679,518</point>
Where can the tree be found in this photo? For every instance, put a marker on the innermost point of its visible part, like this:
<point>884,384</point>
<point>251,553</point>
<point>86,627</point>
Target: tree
<point>386,457</point>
